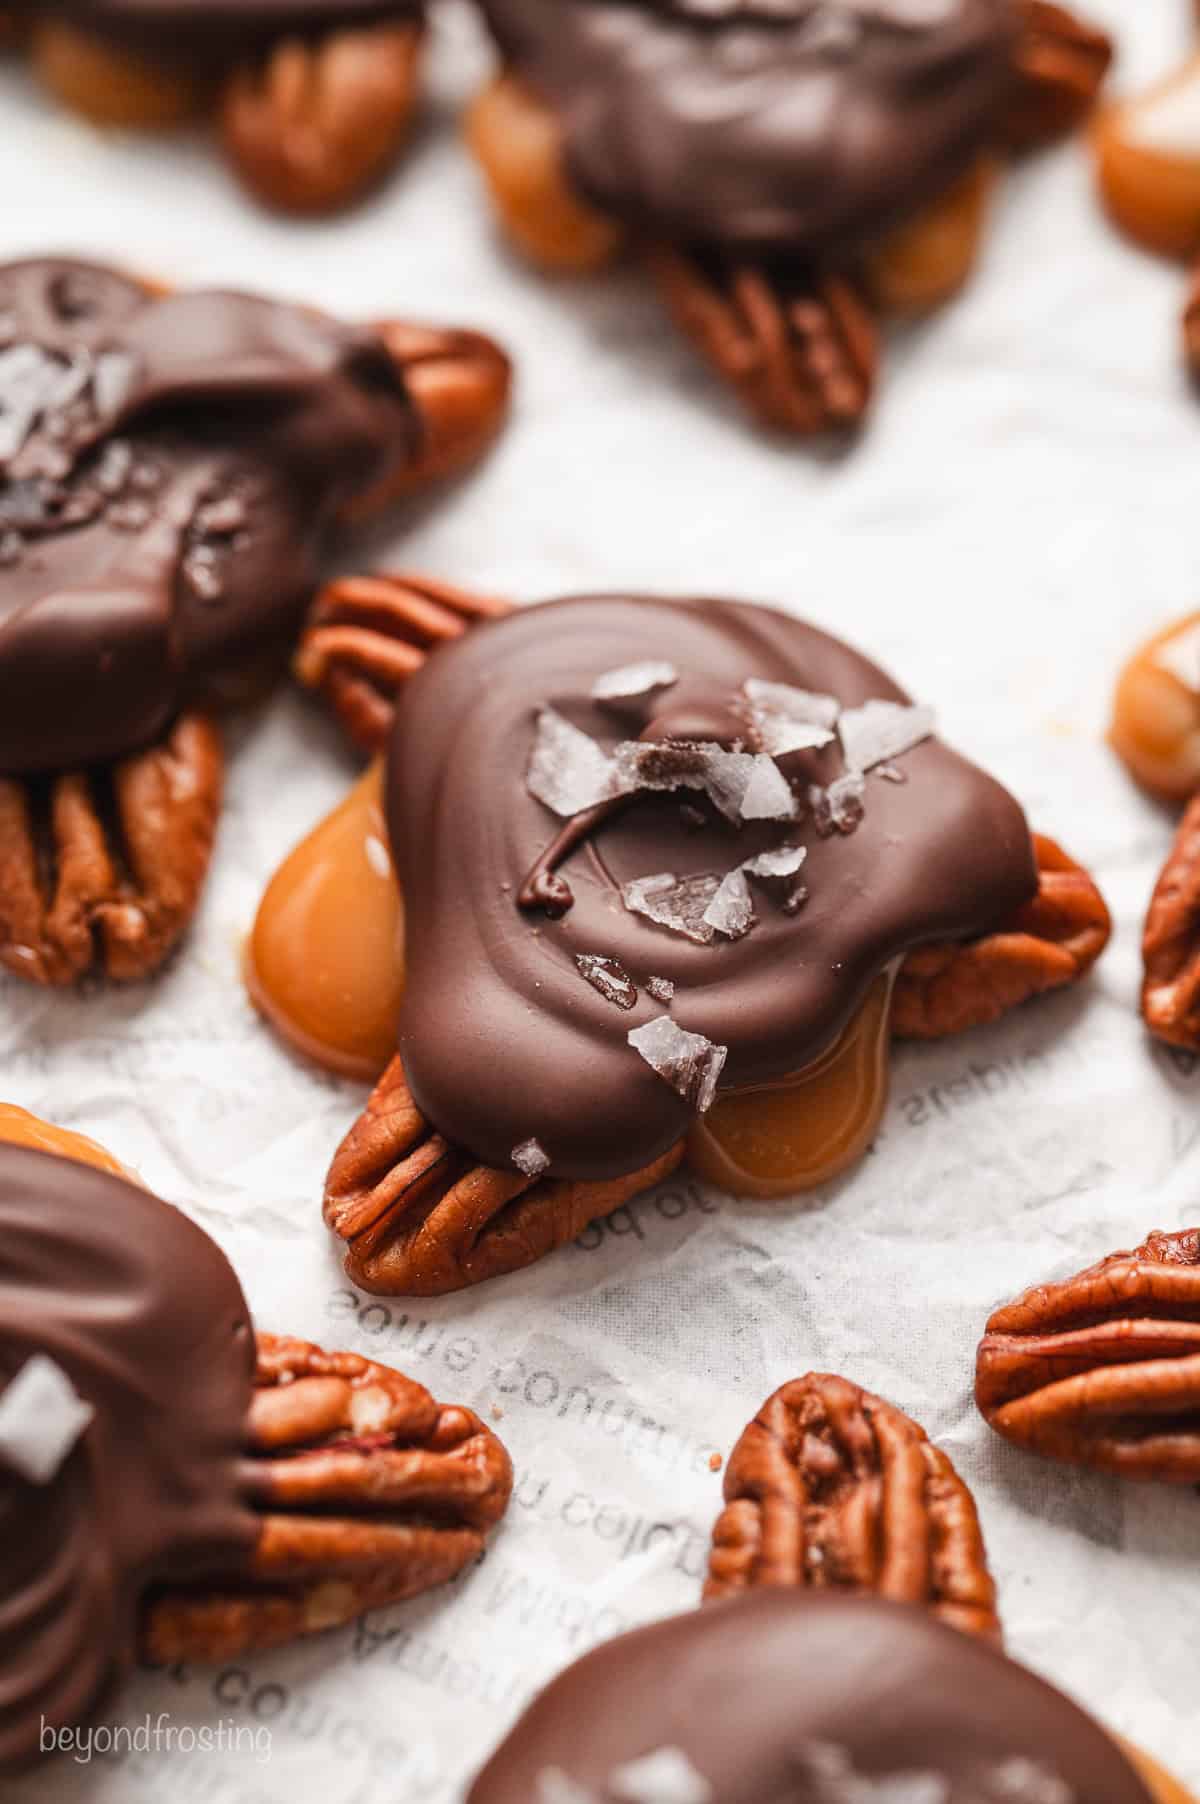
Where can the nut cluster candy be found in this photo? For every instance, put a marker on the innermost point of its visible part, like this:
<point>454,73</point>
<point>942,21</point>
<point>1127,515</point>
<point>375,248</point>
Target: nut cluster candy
<point>179,1485</point>
<point>172,467</point>
<point>672,874</point>
<point>312,99</point>
<point>790,172</point>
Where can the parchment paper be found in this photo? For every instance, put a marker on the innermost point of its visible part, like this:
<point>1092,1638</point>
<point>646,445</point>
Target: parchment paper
<point>1019,516</point>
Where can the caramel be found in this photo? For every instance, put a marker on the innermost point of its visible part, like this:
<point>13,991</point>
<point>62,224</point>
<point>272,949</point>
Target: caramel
<point>19,1128</point>
<point>1148,163</point>
<point>325,961</point>
<point>1163,1788</point>
<point>113,86</point>
<point>926,261</point>
<point>1156,712</point>
<point>798,1134</point>
<point>325,965</point>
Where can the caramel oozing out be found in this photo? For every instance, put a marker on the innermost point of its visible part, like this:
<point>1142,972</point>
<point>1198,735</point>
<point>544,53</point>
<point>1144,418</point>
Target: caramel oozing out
<point>1148,163</point>
<point>1163,1788</point>
<point>325,961</point>
<point>1156,712</point>
<point>19,1128</point>
<point>798,1133</point>
<point>325,966</point>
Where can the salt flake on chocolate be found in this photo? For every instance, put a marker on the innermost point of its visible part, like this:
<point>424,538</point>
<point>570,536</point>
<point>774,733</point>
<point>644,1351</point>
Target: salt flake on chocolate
<point>41,1418</point>
<point>767,796</point>
<point>840,807</point>
<point>632,681</point>
<point>880,731</point>
<point>666,1776</point>
<point>568,772</point>
<point>785,861</point>
<point>661,988</point>
<point>609,977</point>
<point>688,1062</point>
<point>686,764</point>
<point>789,719</point>
<point>731,911</point>
<point>556,1787</point>
<point>531,1158</point>
<point>677,903</point>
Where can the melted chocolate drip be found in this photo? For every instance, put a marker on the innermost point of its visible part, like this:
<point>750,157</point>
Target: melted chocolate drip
<point>795,130</point>
<point>143,1313</point>
<point>216,30</point>
<point>169,471</point>
<point>753,1690</point>
<point>501,1037</point>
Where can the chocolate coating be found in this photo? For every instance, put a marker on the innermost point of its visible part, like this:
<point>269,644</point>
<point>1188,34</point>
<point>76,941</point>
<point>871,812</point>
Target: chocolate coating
<point>749,1688</point>
<point>169,471</point>
<point>218,29</point>
<point>143,1313</point>
<point>501,1037</point>
<point>797,129</point>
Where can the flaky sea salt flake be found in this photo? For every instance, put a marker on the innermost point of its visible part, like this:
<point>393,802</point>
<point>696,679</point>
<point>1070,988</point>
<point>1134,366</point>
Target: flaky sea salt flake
<point>789,719</point>
<point>784,861</point>
<point>609,977</point>
<point>661,988</point>
<point>677,903</point>
<point>531,1158</point>
<point>880,731</point>
<point>767,796</point>
<point>666,1776</point>
<point>41,1418</point>
<point>633,681</point>
<point>838,808</point>
<point>731,911</point>
<point>685,764</point>
<point>555,1787</point>
<point>691,1064</point>
<point>568,771</point>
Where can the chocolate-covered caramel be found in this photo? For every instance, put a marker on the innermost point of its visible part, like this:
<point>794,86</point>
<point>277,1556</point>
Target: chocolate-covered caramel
<point>145,1317</point>
<point>781,1699</point>
<point>216,29</point>
<point>795,128</point>
<point>169,468</point>
<point>503,1040</point>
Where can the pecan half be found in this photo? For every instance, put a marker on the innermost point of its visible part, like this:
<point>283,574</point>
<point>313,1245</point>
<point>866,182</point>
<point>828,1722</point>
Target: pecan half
<point>1059,68</point>
<point>366,635</point>
<point>369,1491</point>
<point>421,1218</point>
<point>103,869</point>
<point>317,122</point>
<point>803,358</point>
<point>1103,1369</point>
<point>1054,940</point>
<point>1171,941</point>
<point>832,1489</point>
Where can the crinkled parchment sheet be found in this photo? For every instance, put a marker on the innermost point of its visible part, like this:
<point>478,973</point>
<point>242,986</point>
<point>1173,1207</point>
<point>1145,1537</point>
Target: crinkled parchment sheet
<point>1020,514</point>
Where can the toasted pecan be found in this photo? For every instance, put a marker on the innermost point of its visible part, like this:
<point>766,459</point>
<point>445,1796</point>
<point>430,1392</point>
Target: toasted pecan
<point>1103,1369</point>
<point>369,1493</point>
<point>103,869</point>
<point>421,1218</point>
<point>1059,68</point>
<point>1052,941</point>
<point>316,122</point>
<point>366,635</point>
<point>1171,941</point>
<point>803,356</point>
<point>831,1488</point>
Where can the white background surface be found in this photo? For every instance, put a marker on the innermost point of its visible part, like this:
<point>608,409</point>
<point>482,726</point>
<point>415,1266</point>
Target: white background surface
<point>1020,514</point>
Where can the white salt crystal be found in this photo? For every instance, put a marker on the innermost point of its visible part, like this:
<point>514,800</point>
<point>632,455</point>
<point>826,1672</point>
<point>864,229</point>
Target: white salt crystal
<point>567,771</point>
<point>784,862</point>
<point>788,719</point>
<point>686,764</point>
<point>632,681</point>
<point>661,988</point>
<point>531,1158</point>
<point>665,1777</point>
<point>41,1418</point>
<point>880,731</point>
<point>839,808</point>
<point>767,796</point>
<point>609,977</point>
<point>554,1787</point>
<point>677,903</point>
<point>731,911</point>
<point>688,1062</point>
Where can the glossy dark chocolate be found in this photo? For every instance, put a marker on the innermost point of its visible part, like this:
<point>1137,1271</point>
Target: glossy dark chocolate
<point>220,29</point>
<point>143,1313</point>
<point>800,129</point>
<point>169,470</point>
<point>772,1697</point>
<point>502,1038</point>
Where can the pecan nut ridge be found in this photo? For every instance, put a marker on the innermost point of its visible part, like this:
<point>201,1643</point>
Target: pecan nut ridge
<point>1171,941</point>
<point>1051,942</point>
<point>1059,68</point>
<point>421,1218</point>
<point>366,635</point>
<point>370,1492</point>
<point>1103,1369</point>
<point>102,870</point>
<point>831,1488</point>
<point>803,360</point>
